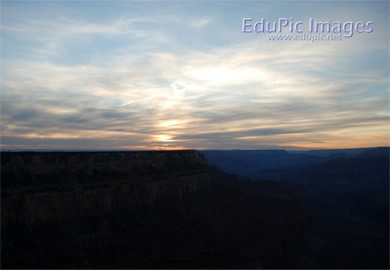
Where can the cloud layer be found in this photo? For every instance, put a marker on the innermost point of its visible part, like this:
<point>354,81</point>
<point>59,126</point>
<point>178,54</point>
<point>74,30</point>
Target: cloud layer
<point>144,78</point>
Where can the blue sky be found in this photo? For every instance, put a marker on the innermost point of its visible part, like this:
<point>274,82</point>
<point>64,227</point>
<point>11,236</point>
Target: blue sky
<point>181,74</point>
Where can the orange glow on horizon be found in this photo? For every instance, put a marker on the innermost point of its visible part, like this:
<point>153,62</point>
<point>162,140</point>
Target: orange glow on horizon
<point>153,148</point>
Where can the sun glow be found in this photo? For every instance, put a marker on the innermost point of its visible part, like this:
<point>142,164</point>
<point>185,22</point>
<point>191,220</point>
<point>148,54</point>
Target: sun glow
<point>164,138</point>
<point>170,123</point>
<point>220,76</point>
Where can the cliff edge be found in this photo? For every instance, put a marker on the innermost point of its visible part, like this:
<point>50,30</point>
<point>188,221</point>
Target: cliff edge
<point>157,209</point>
<point>42,187</point>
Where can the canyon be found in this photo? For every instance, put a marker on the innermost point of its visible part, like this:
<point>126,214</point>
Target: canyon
<point>173,209</point>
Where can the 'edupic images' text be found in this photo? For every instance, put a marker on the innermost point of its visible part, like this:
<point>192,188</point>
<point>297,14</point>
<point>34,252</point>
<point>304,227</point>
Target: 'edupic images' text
<point>347,28</point>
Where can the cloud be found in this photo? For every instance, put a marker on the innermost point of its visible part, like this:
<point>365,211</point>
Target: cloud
<point>246,94</point>
<point>201,22</point>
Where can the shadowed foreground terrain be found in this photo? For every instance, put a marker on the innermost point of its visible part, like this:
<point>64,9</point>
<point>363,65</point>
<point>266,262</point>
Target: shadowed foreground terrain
<point>164,209</point>
<point>346,191</point>
<point>140,210</point>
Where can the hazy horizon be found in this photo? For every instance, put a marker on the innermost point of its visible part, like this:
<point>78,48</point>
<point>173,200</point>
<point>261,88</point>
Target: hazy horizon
<point>188,149</point>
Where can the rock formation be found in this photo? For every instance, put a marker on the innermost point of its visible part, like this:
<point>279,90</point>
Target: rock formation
<point>155,209</point>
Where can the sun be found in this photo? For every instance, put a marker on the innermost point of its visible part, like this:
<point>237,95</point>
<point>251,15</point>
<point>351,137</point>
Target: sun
<point>164,138</point>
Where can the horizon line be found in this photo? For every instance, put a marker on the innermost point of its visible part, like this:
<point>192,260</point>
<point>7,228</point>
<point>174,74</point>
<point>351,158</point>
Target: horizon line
<point>184,149</point>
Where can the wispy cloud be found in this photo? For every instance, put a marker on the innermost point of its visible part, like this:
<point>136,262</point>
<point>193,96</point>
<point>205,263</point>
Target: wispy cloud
<point>126,83</point>
<point>201,22</point>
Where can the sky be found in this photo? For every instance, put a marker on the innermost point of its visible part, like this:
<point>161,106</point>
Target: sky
<point>140,75</point>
